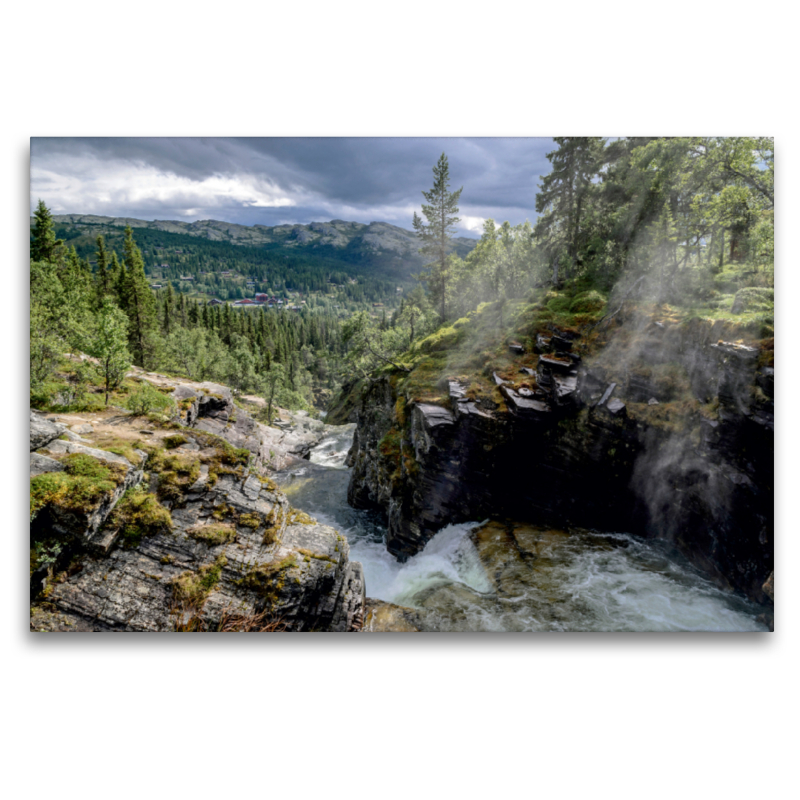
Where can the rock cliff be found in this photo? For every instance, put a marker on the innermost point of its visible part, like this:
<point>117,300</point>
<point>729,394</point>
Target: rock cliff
<point>141,526</point>
<point>666,432</point>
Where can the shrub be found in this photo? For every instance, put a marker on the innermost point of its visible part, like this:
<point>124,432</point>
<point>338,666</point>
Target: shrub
<point>587,303</point>
<point>147,398</point>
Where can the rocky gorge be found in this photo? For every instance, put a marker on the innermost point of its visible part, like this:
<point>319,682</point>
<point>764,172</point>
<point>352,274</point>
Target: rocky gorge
<point>665,432</point>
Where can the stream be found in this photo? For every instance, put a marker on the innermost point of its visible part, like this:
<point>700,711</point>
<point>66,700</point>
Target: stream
<point>516,577</point>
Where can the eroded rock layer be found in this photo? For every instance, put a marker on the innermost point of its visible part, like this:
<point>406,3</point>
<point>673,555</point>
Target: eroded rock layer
<point>191,537</point>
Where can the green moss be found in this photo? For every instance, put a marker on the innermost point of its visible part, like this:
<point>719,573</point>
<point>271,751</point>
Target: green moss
<point>268,579</point>
<point>176,440</point>
<point>252,520</point>
<point>83,485</point>
<point>268,482</point>
<point>121,447</point>
<point>139,514</point>
<point>272,525</point>
<point>587,302</point>
<point>222,511</point>
<point>297,517</point>
<point>191,589</point>
<point>177,472</point>
<point>212,534</point>
<point>319,556</point>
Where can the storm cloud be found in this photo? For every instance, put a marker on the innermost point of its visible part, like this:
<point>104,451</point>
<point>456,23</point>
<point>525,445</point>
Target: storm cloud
<point>271,181</point>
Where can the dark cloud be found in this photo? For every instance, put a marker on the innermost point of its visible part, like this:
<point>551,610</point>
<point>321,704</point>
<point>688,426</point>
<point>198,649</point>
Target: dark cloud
<point>275,180</point>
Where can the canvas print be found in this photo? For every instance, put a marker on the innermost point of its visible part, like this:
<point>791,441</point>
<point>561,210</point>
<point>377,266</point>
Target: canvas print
<point>402,384</point>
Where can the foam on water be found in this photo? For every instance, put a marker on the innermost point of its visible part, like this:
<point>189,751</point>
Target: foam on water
<point>580,581</point>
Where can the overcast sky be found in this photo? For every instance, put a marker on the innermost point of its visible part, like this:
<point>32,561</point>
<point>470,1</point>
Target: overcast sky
<point>271,181</point>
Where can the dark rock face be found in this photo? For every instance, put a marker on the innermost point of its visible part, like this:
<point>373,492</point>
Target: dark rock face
<point>572,451</point>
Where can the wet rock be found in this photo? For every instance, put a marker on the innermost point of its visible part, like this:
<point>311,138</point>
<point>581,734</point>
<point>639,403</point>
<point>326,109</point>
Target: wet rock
<point>516,348</point>
<point>607,394</point>
<point>561,344</point>
<point>616,407</point>
<point>529,407</point>
<point>498,380</point>
<point>543,343</point>
<point>704,485</point>
<point>43,431</point>
<point>555,364</point>
<point>565,391</point>
<point>433,416</point>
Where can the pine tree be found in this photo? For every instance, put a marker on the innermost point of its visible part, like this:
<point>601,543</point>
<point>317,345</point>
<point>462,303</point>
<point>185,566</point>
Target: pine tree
<point>562,197</point>
<point>139,304</point>
<point>440,212</point>
<point>102,277</point>
<point>44,245</point>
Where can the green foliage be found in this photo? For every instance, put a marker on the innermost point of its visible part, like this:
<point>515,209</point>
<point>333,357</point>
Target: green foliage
<point>441,214</point>
<point>147,398</point>
<point>587,302</point>
<point>139,304</point>
<point>109,345</point>
<point>44,245</point>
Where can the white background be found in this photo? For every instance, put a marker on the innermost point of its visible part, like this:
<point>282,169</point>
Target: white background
<point>560,716</point>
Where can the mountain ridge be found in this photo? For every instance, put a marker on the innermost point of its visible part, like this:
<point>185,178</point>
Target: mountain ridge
<point>339,234</point>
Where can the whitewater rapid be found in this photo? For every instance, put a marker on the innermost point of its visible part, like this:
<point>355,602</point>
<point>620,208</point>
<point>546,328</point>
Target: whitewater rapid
<point>579,580</point>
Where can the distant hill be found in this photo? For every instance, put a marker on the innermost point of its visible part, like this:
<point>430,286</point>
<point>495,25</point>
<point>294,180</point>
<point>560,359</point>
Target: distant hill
<point>378,246</point>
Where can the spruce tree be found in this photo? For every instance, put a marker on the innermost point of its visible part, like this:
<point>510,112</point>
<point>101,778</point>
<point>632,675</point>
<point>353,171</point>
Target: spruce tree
<point>44,245</point>
<point>562,198</point>
<point>102,278</point>
<point>139,304</point>
<point>440,212</point>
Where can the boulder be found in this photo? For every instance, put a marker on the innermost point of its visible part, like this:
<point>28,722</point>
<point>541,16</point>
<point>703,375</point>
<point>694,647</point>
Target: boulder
<point>43,431</point>
<point>41,464</point>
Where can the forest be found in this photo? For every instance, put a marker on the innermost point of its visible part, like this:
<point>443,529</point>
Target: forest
<point>683,222</point>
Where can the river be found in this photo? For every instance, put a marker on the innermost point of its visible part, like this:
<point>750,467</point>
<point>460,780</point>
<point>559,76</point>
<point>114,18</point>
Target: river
<point>518,578</point>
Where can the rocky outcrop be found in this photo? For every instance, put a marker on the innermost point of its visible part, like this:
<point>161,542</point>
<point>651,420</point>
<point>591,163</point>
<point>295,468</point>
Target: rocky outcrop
<point>207,543</point>
<point>209,407</point>
<point>237,555</point>
<point>605,445</point>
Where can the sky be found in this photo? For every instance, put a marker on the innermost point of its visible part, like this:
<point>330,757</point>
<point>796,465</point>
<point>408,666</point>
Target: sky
<point>273,181</point>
